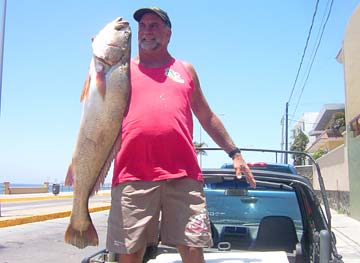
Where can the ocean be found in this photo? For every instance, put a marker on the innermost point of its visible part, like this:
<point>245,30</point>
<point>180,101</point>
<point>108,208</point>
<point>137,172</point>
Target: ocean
<point>63,188</point>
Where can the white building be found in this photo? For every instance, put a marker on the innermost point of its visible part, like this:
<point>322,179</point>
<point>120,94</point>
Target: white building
<point>305,124</point>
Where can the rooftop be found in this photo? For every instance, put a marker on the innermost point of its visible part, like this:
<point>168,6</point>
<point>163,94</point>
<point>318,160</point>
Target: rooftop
<point>324,117</point>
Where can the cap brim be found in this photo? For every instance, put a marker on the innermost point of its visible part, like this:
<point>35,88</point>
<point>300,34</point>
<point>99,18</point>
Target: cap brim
<point>157,11</point>
<point>142,11</point>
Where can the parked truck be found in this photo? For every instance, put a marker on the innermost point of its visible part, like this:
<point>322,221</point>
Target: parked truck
<point>282,220</point>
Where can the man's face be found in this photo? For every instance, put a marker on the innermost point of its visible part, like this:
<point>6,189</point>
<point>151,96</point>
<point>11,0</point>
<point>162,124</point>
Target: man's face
<point>153,33</point>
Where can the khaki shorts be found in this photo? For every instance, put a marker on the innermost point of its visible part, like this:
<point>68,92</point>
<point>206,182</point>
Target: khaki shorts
<point>135,214</point>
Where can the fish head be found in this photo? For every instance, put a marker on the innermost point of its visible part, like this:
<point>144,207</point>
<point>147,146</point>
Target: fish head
<point>113,43</point>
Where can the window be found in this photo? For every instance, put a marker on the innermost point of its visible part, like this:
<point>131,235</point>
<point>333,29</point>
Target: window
<point>355,125</point>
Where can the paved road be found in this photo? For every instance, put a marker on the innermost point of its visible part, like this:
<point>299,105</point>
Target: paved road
<point>42,242</point>
<point>23,208</point>
<point>20,209</point>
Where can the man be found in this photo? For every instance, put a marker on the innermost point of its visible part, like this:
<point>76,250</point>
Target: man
<point>156,168</point>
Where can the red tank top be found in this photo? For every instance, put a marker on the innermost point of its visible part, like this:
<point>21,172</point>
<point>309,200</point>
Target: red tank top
<point>157,130</point>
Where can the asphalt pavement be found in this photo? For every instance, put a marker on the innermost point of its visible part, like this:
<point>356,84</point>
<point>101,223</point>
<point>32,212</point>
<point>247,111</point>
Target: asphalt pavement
<point>35,213</point>
<point>346,229</point>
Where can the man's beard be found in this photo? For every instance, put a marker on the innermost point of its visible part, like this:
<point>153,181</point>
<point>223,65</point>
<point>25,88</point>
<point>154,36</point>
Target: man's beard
<point>149,45</point>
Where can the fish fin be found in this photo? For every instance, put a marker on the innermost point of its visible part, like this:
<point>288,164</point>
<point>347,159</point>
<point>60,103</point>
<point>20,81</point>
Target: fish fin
<point>82,239</point>
<point>86,88</point>
<point>101,82</point>
<point>100,76</point>
<point>105,169</point>
<point>69,180</point>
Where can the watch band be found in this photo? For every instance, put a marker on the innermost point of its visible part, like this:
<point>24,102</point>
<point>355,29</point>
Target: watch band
<point>233,152</point>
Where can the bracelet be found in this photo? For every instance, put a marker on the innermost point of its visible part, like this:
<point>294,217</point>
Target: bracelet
<point>233,152</point>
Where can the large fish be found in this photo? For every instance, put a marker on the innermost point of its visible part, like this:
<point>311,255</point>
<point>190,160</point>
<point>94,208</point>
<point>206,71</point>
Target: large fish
<point>105,98</point>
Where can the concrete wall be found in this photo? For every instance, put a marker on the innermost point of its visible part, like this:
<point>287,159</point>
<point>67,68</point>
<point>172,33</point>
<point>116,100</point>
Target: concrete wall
<point>325,144</point>
<point>354,175</point>
<point>334,171</point>
<point>350,57</point>
<point>305,170</point>
<point>351,61</point>
<point>25,190</point>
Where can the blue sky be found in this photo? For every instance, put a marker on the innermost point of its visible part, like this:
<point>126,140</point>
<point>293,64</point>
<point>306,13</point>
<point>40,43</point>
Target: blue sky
<point>246,53</point>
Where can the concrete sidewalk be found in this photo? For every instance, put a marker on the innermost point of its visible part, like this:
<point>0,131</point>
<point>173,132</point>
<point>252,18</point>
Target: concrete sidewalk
<point>30,214</point>
<point>347,232</point>
<point>43,196</point>
<point>346,229</point>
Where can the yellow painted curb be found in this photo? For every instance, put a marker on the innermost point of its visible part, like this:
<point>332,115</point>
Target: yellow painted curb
<point>44,217</point>
<point>35,198</point>
<point>38,198</point>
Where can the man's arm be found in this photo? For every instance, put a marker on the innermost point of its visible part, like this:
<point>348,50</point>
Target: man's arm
<point>215,128</point>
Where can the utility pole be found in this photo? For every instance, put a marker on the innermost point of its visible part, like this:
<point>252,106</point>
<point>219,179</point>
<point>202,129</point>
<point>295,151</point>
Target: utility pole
<point>2,37</point>
<point>1,53</point>
<point>286,130</point>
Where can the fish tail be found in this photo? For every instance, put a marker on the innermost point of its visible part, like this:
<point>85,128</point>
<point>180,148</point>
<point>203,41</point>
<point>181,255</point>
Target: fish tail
<point>81,239</point>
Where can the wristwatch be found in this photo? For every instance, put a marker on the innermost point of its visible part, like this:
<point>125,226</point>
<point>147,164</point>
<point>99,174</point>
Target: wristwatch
<point>233,152</point>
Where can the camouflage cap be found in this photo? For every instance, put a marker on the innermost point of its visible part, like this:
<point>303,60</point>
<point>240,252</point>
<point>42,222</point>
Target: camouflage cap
<point>155,10</point>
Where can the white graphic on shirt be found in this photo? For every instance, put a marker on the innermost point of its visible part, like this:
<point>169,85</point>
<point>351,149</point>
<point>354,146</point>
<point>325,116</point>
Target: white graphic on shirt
<point>175,76</point>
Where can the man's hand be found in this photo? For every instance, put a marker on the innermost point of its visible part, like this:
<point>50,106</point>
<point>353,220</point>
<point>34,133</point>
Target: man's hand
<point>241,167</point>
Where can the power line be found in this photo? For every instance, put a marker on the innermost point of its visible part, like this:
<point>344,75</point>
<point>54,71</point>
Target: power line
<point>305,48</point>
<point>313,58</point>
<point>296,78</point>
<point>305,122</point>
